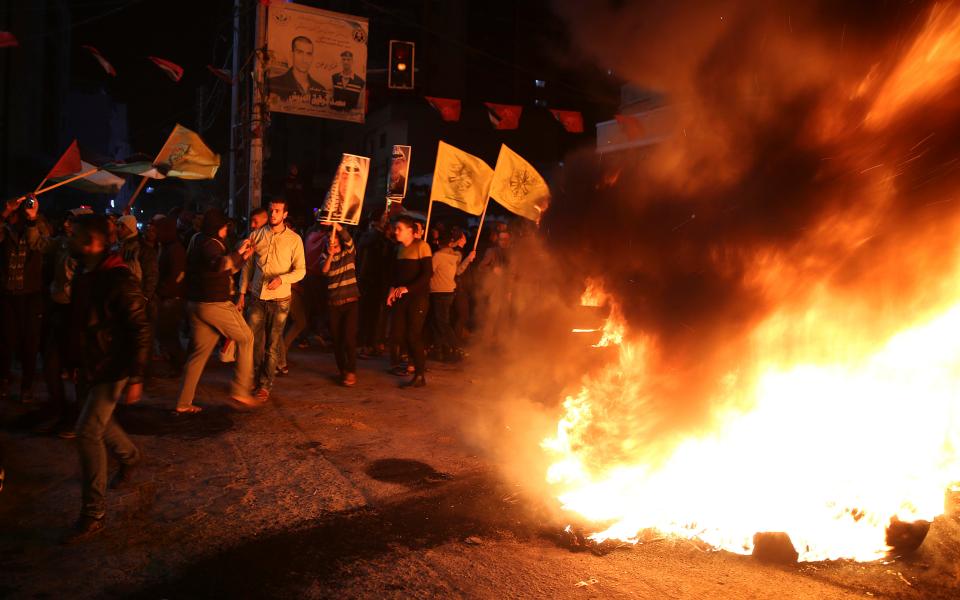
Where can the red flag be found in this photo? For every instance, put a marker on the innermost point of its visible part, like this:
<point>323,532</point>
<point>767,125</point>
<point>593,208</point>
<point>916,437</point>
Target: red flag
<point>630,125</point>
<point>100,59</point>
<point>503,116</point>
<point>221,74</point>
<point>174,71</point>
<point>448,108</point>
<point>8,40</point>
<point>68,164</point>
<point>571,120</point>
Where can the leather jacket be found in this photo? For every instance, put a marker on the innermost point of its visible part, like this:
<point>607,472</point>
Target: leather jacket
<point>110,335</point>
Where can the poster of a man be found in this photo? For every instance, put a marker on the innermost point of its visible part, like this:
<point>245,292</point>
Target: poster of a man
<point>297,80</point>
<point>345,199</point>
<point>316,62</point>
<point>347,85</point>
<point>399,168</point>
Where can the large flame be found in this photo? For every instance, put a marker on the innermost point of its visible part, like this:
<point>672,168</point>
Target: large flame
<point>841,411</point>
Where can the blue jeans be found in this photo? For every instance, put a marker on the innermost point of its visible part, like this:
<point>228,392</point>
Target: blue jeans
<point>97,431</point>
<point>267,319</point>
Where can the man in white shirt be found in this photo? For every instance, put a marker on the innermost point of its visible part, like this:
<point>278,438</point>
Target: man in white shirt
<point>277,263</point>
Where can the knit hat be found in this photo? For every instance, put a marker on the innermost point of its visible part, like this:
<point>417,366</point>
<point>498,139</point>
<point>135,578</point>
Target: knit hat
<point>126,227</point>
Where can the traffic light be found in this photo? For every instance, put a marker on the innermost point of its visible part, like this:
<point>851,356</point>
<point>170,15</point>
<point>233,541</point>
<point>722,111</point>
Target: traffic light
<point>401,65</point>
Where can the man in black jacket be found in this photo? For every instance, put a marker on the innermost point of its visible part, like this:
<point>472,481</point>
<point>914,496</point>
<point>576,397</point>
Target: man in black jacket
<point>110,339</point>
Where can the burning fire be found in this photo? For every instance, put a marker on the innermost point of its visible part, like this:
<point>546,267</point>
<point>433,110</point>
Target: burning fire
<point>828,454</point>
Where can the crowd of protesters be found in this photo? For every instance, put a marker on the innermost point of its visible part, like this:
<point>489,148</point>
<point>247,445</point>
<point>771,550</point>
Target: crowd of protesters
<point>103,302</point>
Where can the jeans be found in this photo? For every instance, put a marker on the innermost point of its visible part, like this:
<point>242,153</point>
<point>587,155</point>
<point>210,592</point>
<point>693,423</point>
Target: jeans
<point>343,328</point>
<point>208,321</point>
<point>409,316</point>
<point>443,335</point>
<point>267,319</point>
<point>97,432</point>
<point>169,316</point>
<point>21,324</point>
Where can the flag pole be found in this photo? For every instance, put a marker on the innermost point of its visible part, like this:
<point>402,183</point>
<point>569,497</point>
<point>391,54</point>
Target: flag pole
<point>426,227</point>
<point>483,215</point>
<point>59,183</point>
<point>143,182</point>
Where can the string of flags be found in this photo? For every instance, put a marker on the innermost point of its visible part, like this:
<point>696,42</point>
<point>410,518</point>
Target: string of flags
<point>504,116</point>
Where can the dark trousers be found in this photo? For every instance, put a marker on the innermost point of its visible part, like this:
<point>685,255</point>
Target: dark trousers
<point>343,327</point>
<point>22,323</point>
<point>406,328</point>
<point>443,336</point>
<point>169,317</point>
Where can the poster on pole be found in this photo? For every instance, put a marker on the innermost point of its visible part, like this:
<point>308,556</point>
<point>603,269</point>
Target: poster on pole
<point>316,62</point>
<point>399,171</point>
<point>344,201</point>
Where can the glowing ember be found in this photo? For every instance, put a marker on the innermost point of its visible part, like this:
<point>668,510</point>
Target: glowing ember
<point>827,453</point>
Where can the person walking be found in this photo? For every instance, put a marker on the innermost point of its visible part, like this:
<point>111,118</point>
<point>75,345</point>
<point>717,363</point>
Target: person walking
<point>410,298</point>
<point>343,296</point>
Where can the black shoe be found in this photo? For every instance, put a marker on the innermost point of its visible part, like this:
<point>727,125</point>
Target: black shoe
<point>123,477</point>
<point>85,528</point>
<point>417,382</point>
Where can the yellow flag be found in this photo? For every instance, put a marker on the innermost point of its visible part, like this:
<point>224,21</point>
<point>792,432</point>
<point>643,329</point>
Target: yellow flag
<point>518,187</point>
<point>186,156</point>
<point>460,180</point>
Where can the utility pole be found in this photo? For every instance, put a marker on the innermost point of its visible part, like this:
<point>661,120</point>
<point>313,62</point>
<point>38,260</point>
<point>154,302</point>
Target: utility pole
<point>234,110</point>
<point>257,112</point>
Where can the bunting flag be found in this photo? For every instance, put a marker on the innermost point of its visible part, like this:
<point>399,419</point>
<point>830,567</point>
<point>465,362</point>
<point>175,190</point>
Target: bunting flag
<point>518,187</point>
<point>185,156</point>
<point>448,108</point>
<point>460,180</point>
<point>504,116</point>
<point>100,59</point>
<point>98,182</point>
<point>8,40</point>
<point>571,120</point>
<point>630,125</point>
<point>69,163</point>
<point>221,74</point>
<point>174,71</point>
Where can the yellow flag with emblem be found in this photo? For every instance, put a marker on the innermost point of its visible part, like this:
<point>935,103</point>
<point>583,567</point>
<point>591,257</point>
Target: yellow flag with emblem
<point>460,180</point>
<point>184,155</point>
<point>518,187</point>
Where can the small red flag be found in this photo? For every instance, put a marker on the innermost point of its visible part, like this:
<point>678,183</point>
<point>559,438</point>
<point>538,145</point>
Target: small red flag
<point>221,74</point>
<point>8,40</point>
<point>630,125</point>
<point>68,164</point>
<point>571,120</point>
<point>174,71</point>
<point>448,108</point>
<point>100,59</point>
<point>504,116</point>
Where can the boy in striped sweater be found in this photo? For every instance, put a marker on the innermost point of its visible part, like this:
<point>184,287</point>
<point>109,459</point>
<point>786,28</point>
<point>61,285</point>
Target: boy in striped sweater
<point>343,297</point>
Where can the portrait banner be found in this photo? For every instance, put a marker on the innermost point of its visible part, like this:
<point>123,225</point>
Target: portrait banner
<point>316,62</point>
<point>344,201</point>
<point>399,171</point>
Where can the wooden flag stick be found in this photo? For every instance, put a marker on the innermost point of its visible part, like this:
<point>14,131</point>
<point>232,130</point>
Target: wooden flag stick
<point>483,215</point>
<point>58,184</point>
<point>143,182</point>
<point>426,227</point>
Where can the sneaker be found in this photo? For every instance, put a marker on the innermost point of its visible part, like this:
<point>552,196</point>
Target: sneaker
<point>263,394</point>
<point>283,370</point>
<point>124,476</point>
<point>84,528</point>
<point>350,379</point>
<point>418,381</point>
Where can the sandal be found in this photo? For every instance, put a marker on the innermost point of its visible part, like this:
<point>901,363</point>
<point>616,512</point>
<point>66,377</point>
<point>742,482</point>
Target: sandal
<point>187,410</point>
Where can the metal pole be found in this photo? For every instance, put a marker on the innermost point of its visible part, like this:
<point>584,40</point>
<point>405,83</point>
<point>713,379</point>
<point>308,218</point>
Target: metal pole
<point>234,105</point>
<point>257,116</point>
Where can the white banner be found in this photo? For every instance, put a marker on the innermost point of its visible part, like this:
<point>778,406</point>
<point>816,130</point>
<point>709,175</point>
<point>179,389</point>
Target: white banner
<point>316,62</point>
<point>344,201</point>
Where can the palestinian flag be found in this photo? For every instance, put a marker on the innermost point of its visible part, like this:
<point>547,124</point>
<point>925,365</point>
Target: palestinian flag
<point>97,180</point>
<point>571,120</point>
<point>503,116</point>
<point>69,164</point>
<point>449,108</point>
<point>100,59</point>
<point>8,40</point>
<point>173,70</point>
